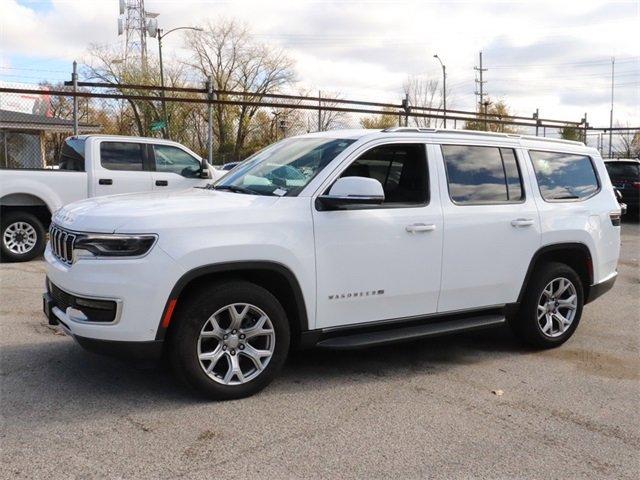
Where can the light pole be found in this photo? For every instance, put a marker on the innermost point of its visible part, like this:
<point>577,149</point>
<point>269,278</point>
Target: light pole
<point>444,88</point>
<point>158,32</point>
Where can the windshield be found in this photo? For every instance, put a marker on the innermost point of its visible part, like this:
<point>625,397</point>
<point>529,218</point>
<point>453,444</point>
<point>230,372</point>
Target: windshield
<point>285,168</point>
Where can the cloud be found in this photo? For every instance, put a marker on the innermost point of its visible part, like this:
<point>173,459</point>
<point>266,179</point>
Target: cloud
<point>547,54</point>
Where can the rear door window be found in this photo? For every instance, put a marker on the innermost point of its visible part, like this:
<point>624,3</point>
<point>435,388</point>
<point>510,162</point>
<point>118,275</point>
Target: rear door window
<point>122,156</point>
<point>564,176</point>
<point>480,175</point>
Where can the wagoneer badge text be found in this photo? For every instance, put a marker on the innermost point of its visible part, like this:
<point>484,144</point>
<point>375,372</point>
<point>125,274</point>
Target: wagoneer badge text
<point>369,293</point>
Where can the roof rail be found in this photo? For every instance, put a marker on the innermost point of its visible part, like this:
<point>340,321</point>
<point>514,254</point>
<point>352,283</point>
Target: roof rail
<point>410,129</point>
<point>481,133</point>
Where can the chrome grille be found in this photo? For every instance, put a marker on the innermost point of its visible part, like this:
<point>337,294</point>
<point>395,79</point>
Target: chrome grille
<point>62,244</point>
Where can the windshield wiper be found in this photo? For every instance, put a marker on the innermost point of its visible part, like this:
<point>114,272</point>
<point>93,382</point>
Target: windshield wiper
<point>236,189</point>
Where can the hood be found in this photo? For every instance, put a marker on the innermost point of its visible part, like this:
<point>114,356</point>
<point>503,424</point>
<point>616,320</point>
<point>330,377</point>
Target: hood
<point>148,212</point>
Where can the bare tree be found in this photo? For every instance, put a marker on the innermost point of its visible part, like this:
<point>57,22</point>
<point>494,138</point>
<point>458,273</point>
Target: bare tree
<point>423,92</point>
<point>106,64</point>
<point>628,144</point>
<point>226,52</point>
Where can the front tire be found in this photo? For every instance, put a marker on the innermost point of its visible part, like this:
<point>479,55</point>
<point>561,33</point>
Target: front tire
<point>552,306</point>
<point>230,340</point>
<point>22,237</point>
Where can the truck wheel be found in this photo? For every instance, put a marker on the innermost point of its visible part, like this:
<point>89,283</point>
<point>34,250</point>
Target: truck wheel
<point>552,306</point>
<point>23,237</point>
<point>229,340</point>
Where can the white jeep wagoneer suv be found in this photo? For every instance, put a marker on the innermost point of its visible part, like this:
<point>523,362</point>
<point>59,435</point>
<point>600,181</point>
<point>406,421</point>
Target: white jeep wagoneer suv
<point>339,239</point>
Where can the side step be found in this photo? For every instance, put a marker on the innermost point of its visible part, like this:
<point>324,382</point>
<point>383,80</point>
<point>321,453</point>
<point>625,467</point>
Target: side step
<point>370,339</point>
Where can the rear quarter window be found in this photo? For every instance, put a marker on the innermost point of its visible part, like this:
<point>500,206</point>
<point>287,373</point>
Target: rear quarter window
<point>564,176</point>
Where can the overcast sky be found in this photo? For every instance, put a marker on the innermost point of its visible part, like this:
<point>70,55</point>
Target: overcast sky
<point>550,55</point>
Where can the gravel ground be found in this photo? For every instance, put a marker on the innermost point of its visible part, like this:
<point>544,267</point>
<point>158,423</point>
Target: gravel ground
<point>423,409</point>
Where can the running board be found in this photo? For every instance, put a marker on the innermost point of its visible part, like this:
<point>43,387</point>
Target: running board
<point>370,339</point>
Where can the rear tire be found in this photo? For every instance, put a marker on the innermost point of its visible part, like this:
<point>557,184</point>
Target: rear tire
<point>225,355</point>
<point>22,237</point>
<point>552,306</point>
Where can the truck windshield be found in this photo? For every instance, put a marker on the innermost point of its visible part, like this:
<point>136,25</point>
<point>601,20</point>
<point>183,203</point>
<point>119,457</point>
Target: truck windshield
<point>285,168</point>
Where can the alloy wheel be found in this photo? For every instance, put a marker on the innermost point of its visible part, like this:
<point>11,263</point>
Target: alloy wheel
<point>236,344</point>
<point>557,307</point>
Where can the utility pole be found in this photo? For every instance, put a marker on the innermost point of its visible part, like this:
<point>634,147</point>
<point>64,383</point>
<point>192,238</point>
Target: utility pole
<point>536,117</point>
<point>480,90</point>
<point>613,64</point>
<point>74,79</point>
<point>155,31</point>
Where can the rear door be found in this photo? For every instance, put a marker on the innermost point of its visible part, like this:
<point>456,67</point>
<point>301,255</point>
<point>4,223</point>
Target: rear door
<point>491,228</point>
<point>174,167</point>
<point>123,167</point>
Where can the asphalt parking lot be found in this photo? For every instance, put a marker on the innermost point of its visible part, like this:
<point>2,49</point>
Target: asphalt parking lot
<point>423,409</point>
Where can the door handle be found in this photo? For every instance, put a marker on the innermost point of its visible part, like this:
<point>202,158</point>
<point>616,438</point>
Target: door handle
<point>522,222</point>
<point>105,181</point>
<point>162,183</point>
<point>420,227</point>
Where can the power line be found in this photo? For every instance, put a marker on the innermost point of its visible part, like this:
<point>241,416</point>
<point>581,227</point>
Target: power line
<point>591,62</point>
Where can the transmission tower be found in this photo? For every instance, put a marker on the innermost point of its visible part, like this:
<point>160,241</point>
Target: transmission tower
<point>132,23</point>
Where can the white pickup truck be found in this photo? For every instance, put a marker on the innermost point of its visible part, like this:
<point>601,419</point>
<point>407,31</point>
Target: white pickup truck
<point>89,166</point>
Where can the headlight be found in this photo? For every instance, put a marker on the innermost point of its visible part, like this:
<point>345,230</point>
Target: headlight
<point>91,246</point>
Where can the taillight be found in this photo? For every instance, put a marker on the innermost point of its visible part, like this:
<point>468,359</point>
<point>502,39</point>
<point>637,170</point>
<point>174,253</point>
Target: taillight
<point>636,185</point>
<point>615,218</point>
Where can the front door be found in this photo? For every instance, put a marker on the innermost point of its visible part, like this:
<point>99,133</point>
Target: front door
<point>381,262</point>
<point>492,228</point>
<point>175,168</point>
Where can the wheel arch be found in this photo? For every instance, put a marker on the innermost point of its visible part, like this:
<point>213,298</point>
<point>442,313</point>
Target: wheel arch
<point>575,255</point>
<point>278,279</point>
<point>15,202</point>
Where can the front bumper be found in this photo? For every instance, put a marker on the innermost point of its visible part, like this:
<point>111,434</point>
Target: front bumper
<point>136,351</point>
<point>138,287</point>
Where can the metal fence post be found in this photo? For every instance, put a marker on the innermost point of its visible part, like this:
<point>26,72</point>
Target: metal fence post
<point>407,108</point>
<point>586,127</point>
<point>319,111</point>
<point>74,79</point>
<point>210,97</point>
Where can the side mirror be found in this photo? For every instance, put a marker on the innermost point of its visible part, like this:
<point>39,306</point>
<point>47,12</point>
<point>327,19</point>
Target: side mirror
<point>351,191</point>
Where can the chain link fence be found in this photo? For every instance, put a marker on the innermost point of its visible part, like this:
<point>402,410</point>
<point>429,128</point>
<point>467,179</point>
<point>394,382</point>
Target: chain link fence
<point>35,122</point>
